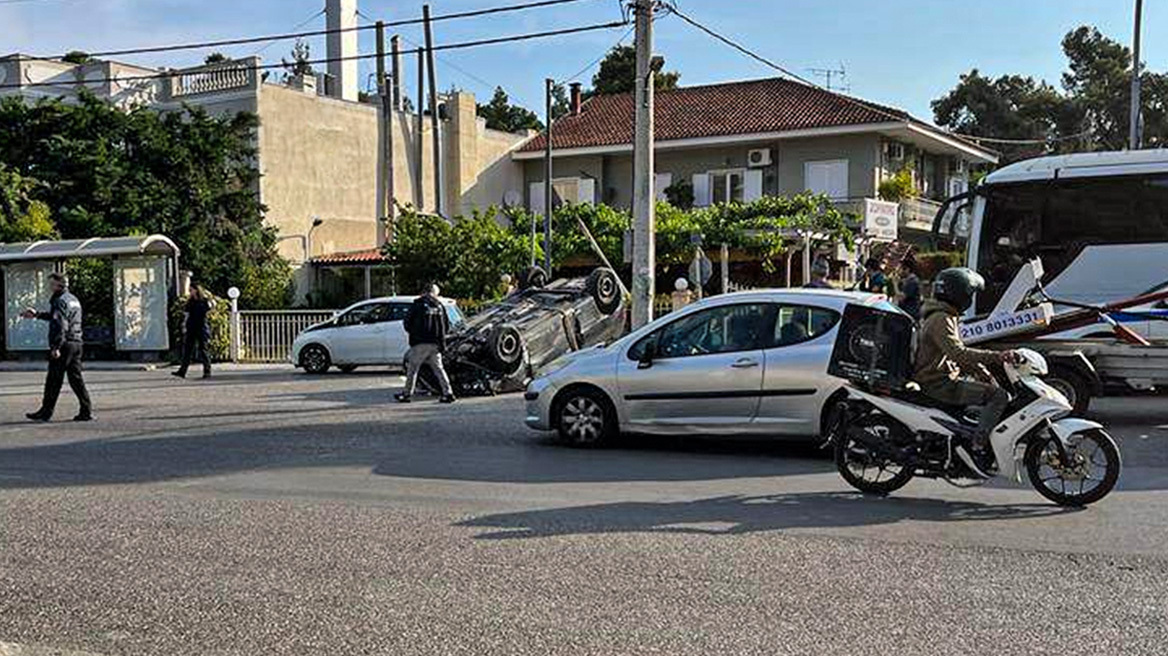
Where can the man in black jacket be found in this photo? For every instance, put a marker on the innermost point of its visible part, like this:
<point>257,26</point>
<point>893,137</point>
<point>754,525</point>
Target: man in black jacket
<point>197,335</point>
<point>64,317</point>
<point>427,324</point>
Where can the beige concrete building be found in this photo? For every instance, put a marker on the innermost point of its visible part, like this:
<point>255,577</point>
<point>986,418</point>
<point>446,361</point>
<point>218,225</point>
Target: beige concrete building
<point>320,157</point>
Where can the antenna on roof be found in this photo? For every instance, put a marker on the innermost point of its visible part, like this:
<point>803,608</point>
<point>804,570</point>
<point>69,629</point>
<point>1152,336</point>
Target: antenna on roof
<point>827,74</point>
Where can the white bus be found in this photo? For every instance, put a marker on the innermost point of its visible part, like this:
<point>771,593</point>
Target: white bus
<point>1098,221</point>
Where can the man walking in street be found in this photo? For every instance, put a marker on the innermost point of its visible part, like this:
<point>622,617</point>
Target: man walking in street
<point>64,317</point>
<point>427,324</point>
<point>197,336</point>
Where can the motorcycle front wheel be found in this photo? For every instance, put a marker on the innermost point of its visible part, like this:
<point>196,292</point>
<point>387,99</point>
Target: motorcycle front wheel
<point>860,465</point>
<point>1091,470</point>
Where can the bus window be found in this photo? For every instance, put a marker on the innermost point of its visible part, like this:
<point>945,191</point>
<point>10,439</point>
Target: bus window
<point>1056,220</point>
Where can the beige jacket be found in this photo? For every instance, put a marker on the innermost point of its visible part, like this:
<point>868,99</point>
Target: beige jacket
<point>942,357</point>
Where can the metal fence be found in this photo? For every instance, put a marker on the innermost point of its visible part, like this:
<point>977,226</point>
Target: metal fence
<point>267,335</point>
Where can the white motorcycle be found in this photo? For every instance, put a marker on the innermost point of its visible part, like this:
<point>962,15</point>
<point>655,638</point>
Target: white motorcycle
<point>883,440</point>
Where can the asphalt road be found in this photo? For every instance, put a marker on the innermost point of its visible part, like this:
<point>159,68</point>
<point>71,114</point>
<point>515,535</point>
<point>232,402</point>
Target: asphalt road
<point>267,512</point>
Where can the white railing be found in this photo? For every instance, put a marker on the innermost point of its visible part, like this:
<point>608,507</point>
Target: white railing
<point>213,79</point>
<point>267,335</point>
<point>918,213</point>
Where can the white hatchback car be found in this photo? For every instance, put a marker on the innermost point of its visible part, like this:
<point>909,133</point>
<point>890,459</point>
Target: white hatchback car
<point>364,334</point>
<point>750,362</point>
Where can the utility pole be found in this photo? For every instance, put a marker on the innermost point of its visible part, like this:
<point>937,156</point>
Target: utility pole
<point>395,59</point>
<point>548,205</point>
<point>1134,141</point>
<point>644,251</point>
<point>385,204</point>
<point>419,145</point>
<point>434,124</point>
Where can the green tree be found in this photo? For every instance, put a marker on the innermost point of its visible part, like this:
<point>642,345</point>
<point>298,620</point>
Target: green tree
<point>502,115</point>
<point>21,217</point>
<point>216,58</point>
<point>301,65</point>
<point>1089,112</point>
<point>466,257</point>
<point>618,73</point>
<point>104,172</point>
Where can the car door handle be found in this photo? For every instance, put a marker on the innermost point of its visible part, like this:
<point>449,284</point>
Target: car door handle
<point>744,363</point>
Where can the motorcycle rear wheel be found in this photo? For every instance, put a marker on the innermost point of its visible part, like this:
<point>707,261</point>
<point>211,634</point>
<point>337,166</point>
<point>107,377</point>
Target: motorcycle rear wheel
<point>863,469</point>
<point>1090,476</point>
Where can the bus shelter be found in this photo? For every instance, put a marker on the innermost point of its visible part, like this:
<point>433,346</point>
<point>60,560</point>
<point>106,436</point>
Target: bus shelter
<point>145,271</point>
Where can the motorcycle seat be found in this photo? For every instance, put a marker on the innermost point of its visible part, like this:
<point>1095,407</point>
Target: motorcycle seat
<point>917,397</point>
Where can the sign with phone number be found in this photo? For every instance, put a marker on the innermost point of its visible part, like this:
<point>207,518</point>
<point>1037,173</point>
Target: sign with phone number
<point>1005,324</point>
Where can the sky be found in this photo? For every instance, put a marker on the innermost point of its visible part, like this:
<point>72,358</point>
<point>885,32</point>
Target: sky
<point>903,53</point>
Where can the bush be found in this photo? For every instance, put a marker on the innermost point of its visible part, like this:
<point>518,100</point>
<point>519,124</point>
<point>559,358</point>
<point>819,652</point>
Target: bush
<point>929,264</point>
<point>899,187</point>
<point>466,258</point>
<point>220,320</point>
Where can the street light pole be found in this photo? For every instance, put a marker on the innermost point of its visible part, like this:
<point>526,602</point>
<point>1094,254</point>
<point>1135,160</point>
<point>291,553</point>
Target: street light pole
<point>644,252</point>
<point>1134,141</point>
<point>548,200</point>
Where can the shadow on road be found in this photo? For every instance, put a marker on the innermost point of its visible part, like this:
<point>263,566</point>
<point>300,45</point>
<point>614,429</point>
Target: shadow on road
<point>737,515</point>
<point>420,441</point>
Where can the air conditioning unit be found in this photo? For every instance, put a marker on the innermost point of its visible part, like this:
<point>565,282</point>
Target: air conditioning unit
<point>758,157</point>
<point>893,150</point>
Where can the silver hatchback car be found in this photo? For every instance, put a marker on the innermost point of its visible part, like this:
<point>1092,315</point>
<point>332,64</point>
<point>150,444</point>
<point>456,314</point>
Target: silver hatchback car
<point>744,363</point>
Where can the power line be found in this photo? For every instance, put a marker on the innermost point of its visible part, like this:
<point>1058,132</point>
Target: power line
<point>325,60</point>
<point>1024,142</point>
<point>298,35</point>
<point>294,28</point>
<point>599,59</point>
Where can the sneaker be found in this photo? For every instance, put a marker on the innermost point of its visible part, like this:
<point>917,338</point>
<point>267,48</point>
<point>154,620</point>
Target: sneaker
<point>179,374</point>
<point>447,398</point>
<point>206,375</point>
<point>402,397</point>
<point>971,461</point>
<point>85,416</point>
<point>38,416</point>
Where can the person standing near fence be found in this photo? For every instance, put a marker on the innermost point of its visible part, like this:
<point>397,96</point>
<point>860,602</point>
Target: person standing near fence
<point>197,333</point>
<point>427,324</point>
<point>64,317</point>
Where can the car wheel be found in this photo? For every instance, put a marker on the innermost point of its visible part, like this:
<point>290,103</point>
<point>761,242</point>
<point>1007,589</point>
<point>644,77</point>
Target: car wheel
<point>347,368</point>
<point>315,359</point>
<point>585,418</point>
<point>604,287</point>
<point>1073,386</point>
<point>505,349</point>
<point>533,277</point>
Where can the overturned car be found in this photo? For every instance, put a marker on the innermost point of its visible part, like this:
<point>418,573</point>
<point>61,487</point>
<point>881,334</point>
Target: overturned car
<point>504,345</point>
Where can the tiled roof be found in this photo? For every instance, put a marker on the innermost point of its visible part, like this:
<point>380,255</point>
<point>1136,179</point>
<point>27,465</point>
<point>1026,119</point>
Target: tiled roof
<point>734,108</point>
<point>368,256</point>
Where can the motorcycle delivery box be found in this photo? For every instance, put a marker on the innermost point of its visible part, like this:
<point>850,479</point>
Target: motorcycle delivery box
<point>873,348</point>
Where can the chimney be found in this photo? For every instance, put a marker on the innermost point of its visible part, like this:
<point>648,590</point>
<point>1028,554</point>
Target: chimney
<point>342,15</point>
<point>576,101</point>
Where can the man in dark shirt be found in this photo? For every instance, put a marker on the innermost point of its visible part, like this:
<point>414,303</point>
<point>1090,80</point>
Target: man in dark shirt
<point>64,317</point>
<point>427,324</point>
<point>197,335</point>
<point>909,298</point>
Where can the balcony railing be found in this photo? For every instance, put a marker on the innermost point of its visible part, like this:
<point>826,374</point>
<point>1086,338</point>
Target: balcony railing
<point>215,78</point>
<point>918,213</point>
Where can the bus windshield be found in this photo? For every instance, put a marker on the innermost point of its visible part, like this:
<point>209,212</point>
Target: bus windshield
<point>1056,219</point>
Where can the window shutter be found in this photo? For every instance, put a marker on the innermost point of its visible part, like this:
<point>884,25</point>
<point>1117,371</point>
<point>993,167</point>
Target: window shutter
<point>661,182</point>
<point>753,185</point>
<point>701,189</point>
<point>586,191</point>
<point>536,204</point>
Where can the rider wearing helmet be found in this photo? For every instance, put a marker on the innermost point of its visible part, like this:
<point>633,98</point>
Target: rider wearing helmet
<point>948,370</point>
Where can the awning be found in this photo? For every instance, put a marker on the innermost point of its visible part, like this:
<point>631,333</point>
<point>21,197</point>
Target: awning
<point>367,257</point>
<point>96,247</point>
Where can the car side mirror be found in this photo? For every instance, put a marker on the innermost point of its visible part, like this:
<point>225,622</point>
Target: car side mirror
<point>648,353</point>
